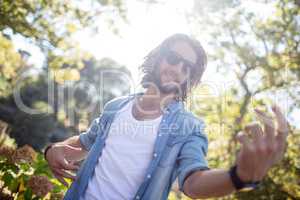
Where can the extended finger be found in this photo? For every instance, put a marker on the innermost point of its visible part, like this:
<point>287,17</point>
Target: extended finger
<point>268,122</point>
<point>60,179</point>
<point>281,122</point>
<point>64,174</point>
<point>243,139</point>
<point>77,164</point>
<point>255,130</point>
<point>71,151</point>
<point>69,165</point>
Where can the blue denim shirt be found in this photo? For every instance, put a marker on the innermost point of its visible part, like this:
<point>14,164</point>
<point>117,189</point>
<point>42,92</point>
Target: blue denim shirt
<point>180,148</point>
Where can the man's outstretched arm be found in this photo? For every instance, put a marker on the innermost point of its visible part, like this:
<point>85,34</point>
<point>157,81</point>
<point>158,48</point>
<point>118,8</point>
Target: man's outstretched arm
<point>208,183</point>
<point>260,150</point>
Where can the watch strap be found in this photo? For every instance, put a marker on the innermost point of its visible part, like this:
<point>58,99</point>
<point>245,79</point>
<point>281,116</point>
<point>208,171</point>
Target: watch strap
<point>238,183</point>
<point>46,150</point>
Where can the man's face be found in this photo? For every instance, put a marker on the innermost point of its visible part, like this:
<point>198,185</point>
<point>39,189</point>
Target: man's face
<point>175,67</point>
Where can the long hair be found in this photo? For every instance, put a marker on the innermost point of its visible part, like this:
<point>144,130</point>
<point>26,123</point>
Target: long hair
<point>153,59</point>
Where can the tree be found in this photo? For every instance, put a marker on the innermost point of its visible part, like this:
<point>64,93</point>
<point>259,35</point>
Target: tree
<point>48,25</point>
<point>75,104</point>
<point>10,64</point>
<point>262,53</point>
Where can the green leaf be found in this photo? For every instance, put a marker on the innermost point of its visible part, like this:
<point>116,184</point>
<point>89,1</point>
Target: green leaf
<point>28,194</point>
<point>25,166</point>
<point>7,178</point>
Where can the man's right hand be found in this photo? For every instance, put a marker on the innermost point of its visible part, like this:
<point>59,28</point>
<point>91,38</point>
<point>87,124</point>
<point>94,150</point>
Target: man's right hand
<point>63,158</point>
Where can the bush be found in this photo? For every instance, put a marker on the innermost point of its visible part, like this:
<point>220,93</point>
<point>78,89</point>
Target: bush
<point>24,174</point>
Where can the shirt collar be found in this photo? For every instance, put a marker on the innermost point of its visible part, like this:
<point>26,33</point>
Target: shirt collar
<point>174,106</point>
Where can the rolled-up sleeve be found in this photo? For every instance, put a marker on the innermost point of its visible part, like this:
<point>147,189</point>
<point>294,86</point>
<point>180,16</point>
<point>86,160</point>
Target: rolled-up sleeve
<point>88,137</point>
<point>192,156</point>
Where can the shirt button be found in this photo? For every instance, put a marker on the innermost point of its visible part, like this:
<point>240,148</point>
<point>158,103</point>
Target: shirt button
<point>137,197</point>
<point>155,155</point>
<point>159,135</point>
<point>149,176</point>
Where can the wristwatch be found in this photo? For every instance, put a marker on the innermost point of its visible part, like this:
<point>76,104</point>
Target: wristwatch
<point>46,150</point>
<point>238,183</point>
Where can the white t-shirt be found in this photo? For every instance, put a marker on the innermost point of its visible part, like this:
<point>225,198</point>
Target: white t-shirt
<point>125,158</point>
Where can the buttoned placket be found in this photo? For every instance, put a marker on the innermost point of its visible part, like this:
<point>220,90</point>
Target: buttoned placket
<point>156,155</point>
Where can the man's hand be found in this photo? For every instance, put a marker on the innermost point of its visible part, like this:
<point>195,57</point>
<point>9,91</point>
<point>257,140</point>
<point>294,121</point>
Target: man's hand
<point>61,159</point>
<point>261,149</point>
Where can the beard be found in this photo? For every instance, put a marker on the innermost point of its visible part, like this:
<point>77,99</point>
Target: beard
<point>169,87</point>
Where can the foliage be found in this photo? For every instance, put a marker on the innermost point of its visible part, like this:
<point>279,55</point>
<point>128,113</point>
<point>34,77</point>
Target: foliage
<point>261,55</point>
<point>10,64</point>
<point>62,109</point>
<point>40,20</point>
<point>49,25</point>
<point>25,175</point>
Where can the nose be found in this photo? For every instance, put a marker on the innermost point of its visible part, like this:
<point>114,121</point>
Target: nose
<point>179,67</point>
<point>179,71</point>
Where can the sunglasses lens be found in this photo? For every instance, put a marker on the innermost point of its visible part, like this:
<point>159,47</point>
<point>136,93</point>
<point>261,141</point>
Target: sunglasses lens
<point>172,58</point>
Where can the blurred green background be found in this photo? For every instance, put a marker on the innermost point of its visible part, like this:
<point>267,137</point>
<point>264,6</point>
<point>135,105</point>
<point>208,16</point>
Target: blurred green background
<point>56,75</point>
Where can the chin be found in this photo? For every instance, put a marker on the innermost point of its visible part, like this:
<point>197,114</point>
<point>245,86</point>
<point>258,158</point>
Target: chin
<point>169,88</point>
<point>166,85</point>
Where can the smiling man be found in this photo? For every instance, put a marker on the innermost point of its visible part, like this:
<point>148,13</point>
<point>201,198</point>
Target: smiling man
<point>142,142</point>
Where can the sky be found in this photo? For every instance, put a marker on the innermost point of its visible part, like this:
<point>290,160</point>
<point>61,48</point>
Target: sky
<point>148,26</point>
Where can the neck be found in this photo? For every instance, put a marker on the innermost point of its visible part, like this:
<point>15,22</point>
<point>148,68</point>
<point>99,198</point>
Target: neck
<point>154,100</point>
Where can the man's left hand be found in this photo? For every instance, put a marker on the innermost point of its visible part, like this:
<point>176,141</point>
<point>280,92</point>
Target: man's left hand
<point>261,149</point>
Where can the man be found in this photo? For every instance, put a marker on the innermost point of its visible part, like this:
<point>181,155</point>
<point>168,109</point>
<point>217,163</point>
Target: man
<point>141,143</point>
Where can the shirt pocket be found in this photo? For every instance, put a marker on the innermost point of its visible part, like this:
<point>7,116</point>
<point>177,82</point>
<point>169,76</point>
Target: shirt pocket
<point>171,151</point>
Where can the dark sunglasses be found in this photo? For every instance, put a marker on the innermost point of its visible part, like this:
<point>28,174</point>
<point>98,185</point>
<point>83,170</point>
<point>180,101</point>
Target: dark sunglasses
<point>174,58</point>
